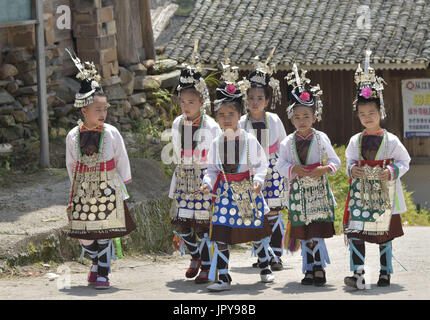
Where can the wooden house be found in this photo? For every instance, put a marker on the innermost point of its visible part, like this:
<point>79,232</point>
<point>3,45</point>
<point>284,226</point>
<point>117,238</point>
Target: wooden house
<point>326,37</point>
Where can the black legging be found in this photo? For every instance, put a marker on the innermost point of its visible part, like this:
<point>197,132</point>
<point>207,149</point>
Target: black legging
<point>189,236</point>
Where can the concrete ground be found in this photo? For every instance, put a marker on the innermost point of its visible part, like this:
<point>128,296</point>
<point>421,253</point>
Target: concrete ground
<point>162,277</point>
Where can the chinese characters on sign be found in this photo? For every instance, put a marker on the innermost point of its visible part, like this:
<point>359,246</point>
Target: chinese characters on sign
<point>416,107</point>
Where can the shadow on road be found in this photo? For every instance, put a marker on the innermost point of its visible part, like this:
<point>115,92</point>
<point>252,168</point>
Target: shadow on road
<point>374,290</point>
<point>297,288</point>
<point>188,286</point>
<point>251,270</point>
<point>245,270</point>
<point>86,291</point>
<point>250,289</point>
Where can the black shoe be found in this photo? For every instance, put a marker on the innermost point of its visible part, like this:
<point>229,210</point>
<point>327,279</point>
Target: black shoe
<point>384,280</point>
<point>319,281</point>
<point>276,266</point>
<point>352,281</point>
<point>256,265</point>
<point>308,279</point>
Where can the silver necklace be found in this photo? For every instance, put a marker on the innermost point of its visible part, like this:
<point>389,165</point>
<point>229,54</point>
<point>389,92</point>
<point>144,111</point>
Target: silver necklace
<point>314,191</point>
<point>374,193</point>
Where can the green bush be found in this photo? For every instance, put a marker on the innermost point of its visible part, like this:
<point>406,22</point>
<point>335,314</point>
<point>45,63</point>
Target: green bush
<point>413,217</point>
<point>154,232</point>
<point>340,187</point>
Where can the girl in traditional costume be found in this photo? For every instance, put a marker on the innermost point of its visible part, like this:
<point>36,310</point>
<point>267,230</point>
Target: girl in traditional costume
<point>269,131</point>
<point>99,169</point>
<point>235,175</point>
<point>301,161</point>
<point>376,160</point>
<point>193,131</point>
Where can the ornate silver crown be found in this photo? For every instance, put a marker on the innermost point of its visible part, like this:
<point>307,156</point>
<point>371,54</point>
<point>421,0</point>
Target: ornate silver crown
<point>299,82</point>
<point>369,85</point>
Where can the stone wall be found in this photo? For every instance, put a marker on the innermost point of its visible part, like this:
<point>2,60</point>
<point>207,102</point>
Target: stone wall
<point>131,90</point>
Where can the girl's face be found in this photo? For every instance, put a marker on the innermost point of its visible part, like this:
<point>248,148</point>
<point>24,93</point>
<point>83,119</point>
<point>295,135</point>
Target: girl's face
<point>257,101</point>
<point>96,112</point>
<point>227,116</point>
<point>303,118</point>
<point>369,115</point>
<point>191,103</point>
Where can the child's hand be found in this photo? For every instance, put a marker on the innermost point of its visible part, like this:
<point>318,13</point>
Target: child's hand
<point>319,171</point>
<point>205,189</point>
<point>385,175</point>
<point>300,171</point>
<point>357,172</point>
<point>257,187</point>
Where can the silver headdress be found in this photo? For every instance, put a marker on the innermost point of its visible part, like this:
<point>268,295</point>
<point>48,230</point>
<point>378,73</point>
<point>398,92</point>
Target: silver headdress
<point>230,89</point>
<point>191,76</point>
<point>300,95</point>
<point>262,76</point>
<point>369,85</point>
<point>90,81</point>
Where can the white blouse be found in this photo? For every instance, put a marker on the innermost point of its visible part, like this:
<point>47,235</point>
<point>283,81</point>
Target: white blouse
<point>258,163</point>
<point>276,128</point>
<point>206,134</point>
<point>287,159</point>
<point>114,148</point>
<point>395,150</point>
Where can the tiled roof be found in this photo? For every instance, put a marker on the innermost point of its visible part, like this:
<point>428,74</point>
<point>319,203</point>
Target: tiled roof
<point>322,34</point>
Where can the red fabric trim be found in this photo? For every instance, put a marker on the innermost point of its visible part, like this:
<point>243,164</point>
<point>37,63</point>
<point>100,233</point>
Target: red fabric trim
<point>274,147</point>
<point>312,166</point>
<point>230,177</point>
<point>196,122</point>
<point>83,129</point>
<point>110,165</point>
<point>236,176</point>
<point>308,167</point>
<point>377,133</point>
<point>374,163</point>
<point>308,137</point>
<point>214,189</point>
<point>195,153</point>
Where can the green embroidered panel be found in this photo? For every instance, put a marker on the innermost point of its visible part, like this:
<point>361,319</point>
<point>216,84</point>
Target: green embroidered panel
<point>311,203</point>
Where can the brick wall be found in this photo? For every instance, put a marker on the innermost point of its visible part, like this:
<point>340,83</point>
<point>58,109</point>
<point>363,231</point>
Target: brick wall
<point>93,37</point>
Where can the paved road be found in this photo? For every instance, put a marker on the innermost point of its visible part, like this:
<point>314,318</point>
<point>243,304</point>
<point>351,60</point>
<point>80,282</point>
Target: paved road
<point>163,279</point>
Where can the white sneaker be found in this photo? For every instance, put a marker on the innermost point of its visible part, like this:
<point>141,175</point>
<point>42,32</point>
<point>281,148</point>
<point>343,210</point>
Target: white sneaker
<point>219,286</point>
<point>266,278</point>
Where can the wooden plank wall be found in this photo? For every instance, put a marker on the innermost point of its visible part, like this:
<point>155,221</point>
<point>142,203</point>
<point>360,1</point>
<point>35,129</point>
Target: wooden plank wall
<point>340,123</point>
<point>129,32</point>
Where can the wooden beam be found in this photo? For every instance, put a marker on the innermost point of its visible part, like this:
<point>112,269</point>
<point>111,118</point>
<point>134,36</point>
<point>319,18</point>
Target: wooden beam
<point>147,33</point>
<point>17,23</point>
<point>128,42</point>
<point>41,86</point>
